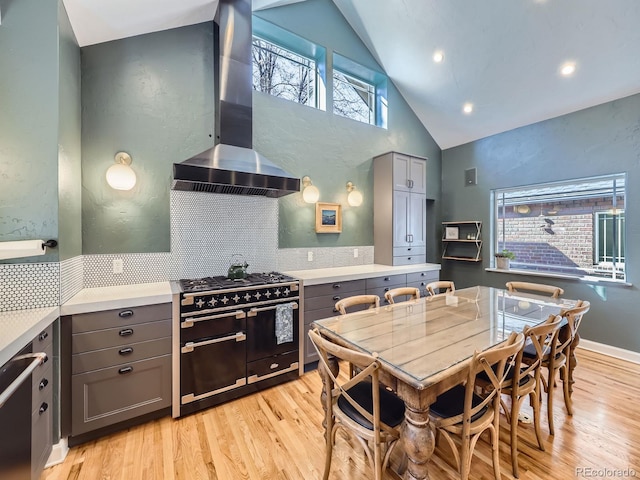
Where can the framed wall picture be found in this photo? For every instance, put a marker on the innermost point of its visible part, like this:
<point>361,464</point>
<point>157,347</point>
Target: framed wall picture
<point>451,233</point>
<point>328,217</point>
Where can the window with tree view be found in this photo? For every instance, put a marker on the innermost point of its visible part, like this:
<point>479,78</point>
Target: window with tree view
<point>353,98</point>
<point>574,227</point>
<point>283,73</point>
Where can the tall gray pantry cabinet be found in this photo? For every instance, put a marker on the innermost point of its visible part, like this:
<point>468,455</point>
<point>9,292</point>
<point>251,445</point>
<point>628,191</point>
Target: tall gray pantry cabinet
<point>399,209</point>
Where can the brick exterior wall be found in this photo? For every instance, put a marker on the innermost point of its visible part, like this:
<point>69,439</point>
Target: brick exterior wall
<point>562,237</point>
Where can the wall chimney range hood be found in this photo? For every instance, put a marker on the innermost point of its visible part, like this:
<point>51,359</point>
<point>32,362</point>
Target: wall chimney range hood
<point>232,166</point>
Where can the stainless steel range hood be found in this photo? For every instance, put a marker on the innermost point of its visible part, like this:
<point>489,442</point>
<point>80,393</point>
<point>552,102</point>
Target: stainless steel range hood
<point>232,166</point>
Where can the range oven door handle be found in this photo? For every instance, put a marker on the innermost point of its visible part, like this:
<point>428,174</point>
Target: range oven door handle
<point>38,359</point>
<point>188,322</point>
<point>190,346</point>
<point>254,311</point>
<point>257,378</point>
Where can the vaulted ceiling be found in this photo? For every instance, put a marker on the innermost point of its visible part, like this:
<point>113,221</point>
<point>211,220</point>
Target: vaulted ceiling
<point>503,57</point>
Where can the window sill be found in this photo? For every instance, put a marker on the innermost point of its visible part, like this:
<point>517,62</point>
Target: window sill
<point>590,280</point>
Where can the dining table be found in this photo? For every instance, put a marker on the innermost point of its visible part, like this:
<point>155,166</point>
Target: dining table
<point>424,346</point>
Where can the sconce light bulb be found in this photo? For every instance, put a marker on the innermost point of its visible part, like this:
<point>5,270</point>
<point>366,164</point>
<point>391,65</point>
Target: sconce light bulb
<point>121,177</point>
<point>310,194</point>
<point>355,198</point>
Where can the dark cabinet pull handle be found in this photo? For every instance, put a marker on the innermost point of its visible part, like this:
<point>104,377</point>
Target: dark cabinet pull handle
<point>408,258</point>
<point>126,313</point>
<point>336,298</point>
<point>124,370</point>
<point>43,336</point>
<point>125,351</point>
<point>336,285</point>
<point>422,274</point>
<point>46,359</point>
<point>126,332</point>
<point>335,310</point>
<point>386,279</point>
<point>387,289</point>
<point>43,408</point>
<point>43,383</point>
<point>409,249</point>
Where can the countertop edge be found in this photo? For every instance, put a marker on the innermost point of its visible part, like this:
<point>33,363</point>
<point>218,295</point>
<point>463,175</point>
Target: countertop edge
<point>343,274</point>
<point>40,319</point>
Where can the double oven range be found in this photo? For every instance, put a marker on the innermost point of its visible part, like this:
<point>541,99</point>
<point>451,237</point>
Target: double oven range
<point>233,337</point>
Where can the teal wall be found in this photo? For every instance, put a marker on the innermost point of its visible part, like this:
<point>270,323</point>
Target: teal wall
<point>152,97</point>
<point>331,149</point>
<point>595,141</point>
<point>69,146</point>
<point>29,122</point>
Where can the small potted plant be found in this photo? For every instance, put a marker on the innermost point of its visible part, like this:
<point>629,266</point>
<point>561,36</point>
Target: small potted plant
<point>503,257</point>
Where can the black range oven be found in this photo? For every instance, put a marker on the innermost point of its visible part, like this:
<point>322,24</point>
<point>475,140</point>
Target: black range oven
<point>233,337</point>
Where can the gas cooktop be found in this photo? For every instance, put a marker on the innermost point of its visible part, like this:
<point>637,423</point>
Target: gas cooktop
<point>221,282</point>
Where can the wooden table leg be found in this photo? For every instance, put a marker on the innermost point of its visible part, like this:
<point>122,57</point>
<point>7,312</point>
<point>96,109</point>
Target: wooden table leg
<point>418,442</point>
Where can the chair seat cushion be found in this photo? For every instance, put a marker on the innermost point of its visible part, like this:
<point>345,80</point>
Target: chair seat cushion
<point>391,407</point>
<point>451,403</point>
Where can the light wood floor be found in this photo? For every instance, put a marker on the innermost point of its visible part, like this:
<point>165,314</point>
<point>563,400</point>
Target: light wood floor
<point>277,434</point>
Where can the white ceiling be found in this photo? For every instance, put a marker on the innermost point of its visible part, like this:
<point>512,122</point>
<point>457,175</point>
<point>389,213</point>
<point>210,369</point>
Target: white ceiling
<point>503,56</point>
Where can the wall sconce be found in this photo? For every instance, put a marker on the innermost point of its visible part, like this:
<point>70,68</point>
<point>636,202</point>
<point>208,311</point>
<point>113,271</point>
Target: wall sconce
<point>310,193</point>
<point>121,176</point>
<point>355,196</point>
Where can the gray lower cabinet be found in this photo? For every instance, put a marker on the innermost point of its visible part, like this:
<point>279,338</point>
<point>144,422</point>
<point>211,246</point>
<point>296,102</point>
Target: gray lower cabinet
<point>120,365</point>
<point>319,300</point>
<point>42,404</point>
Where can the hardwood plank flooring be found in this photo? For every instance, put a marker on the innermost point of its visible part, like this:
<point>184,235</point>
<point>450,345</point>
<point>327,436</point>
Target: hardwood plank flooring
<point>277,434</point>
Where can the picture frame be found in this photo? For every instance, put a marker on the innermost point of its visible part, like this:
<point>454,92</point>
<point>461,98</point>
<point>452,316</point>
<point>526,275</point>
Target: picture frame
<point>451,233</point>
<point>328,217</point>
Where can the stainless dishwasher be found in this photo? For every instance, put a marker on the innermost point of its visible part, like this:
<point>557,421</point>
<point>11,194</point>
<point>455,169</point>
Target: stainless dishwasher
<point>15,414</point>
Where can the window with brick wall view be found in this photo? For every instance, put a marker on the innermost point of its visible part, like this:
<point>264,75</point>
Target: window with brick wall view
<point>574,228</point>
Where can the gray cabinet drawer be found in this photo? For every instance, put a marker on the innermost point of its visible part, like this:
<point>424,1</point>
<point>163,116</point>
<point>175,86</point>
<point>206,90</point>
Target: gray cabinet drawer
<point>314,315</point>
<point>114,337</point>
<point>107,396</point>
<point>377,282</point>
<point>87,322</point>
<point>429,276</point>
<point>334,288</point>
<point>409,251</point>
<point>325,301</point>
<point>125,353</point>
<point>410,260</point>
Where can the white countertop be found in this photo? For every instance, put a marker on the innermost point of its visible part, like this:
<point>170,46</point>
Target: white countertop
<point>19,327</point>
<point>119,296</point>
<point>356,272</point>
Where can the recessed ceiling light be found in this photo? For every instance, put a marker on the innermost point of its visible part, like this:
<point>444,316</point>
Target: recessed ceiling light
<point>568,69</point>
<point>467,108</point>
<point>438,56</point>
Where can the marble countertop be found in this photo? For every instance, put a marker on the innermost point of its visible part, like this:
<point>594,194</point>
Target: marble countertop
<point>19,327</point>
<point>356,272</point>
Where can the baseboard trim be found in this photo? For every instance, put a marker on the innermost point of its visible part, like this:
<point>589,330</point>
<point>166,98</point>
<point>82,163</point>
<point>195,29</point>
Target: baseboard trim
<point>609,350</point>
<point>58,453</point>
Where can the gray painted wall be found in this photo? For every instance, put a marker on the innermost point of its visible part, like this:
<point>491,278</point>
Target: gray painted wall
<point>151,96</point>
<point>331,149</point>
<point>596,141</point>
<point>69,146</point>
<point>29,123</point>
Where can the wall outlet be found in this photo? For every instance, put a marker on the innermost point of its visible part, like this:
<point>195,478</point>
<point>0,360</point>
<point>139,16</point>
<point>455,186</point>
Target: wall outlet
<point>309,256</point>
<point>355,253</point>
<point>118,265</point>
